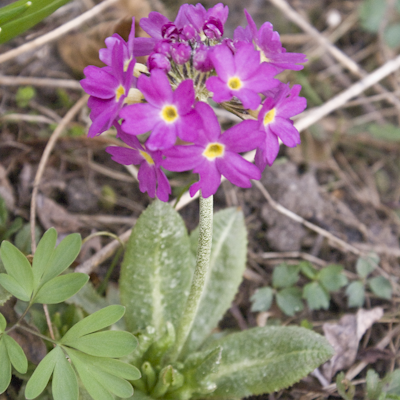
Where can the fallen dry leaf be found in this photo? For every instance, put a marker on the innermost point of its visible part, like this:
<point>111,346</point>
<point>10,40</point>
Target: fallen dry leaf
<point>52,214</point>
<point>345,336</point>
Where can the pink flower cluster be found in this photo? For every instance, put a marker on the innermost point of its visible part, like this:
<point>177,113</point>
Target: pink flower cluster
<point>189,62</point>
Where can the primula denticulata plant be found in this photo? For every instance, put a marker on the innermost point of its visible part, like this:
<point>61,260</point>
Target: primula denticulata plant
<point>174,288</point>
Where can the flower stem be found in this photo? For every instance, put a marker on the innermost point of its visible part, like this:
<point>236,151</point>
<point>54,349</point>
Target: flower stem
<point>199,277</point>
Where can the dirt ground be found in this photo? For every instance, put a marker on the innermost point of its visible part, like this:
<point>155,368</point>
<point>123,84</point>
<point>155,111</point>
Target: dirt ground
<point>332,199</point>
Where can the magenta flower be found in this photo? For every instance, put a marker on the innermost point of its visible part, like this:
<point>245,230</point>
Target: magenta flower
<point>274,121</point>
<point>108,87</point>
<point>134,47</point>
<point>240,75</point>
<point>210,22</point>
<point>167,113</point>
<point>214,154</point>
<point>151,177</point>
<point>268,41</point>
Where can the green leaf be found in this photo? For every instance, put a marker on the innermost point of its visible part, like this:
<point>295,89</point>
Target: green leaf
<point>16,354</point>
<point>381,287</point>
<point>264,360</point>
<point>61,288</point>
<point>227,265</point>
<point>114,367</point>
<point>12,286</point>
<point>105,344</point>
<point>95,322</point>
<point>332,278</point>
<point>23,237</point>
<point>40,377</point>
<point>374,385</point>
<point>5,366</point>
<point>4,294</point>
<point>371,14</point>
<point>43,254</point>
<point>356,294</point>
<point>157,269</point>
<point>316,296</point>
<point>345,388</point>
<point>3,323</point>
<point>366,264</point>
<point>393,386</point>
<point>262,299</point>
<point>94,387</point>
<point>65,383</point>
<point>39,10</point>
<point>285,276</point>
<point>289,300</point>
<point>386,132</point>
<point>17,267</point>
<point>9,13</point>
<point>308,270</point>
<point>63,256</point>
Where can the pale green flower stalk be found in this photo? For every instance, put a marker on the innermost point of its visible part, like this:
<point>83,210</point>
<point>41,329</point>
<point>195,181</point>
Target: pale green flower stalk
<point>199,278</point>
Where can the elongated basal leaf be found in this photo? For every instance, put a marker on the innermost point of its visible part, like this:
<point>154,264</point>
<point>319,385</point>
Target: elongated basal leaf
<point>35,12</point>
<point>157,269</point>
<point>227,264</point>
<point>264,360</point>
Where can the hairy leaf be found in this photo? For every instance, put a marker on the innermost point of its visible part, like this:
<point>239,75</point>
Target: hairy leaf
<point>264,360</point>
<point>227,264</point>
<point>157,269</point>
<point>17,267</point>
<point>16,354</point>
<point>105,344</point>
<point>95,322</point>
<point>61,288</point>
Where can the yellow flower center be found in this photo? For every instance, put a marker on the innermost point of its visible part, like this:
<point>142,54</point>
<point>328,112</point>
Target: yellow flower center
<point>119,92</point>
<point>269,117</point>
<point>147,157</point>
<point>214,150</point>
<point>169,113</point>
<point>235,83</point>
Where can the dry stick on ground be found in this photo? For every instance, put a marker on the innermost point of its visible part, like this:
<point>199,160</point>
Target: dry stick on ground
<point>39,82</point>
<point>295,17</point>
<point>43,161</point>
<point>50,144</point>
<point>56,33</point>
<point>310,118</point>
<point>333,239</point>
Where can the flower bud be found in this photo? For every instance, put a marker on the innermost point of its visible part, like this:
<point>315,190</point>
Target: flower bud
<point>180,53</point>
<point>158,61</point>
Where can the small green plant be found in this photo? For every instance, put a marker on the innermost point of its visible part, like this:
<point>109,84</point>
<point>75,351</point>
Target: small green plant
<point>289,297</point>
<point>24,95</point>
<point>376,388</point>
<point>379,285</point>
